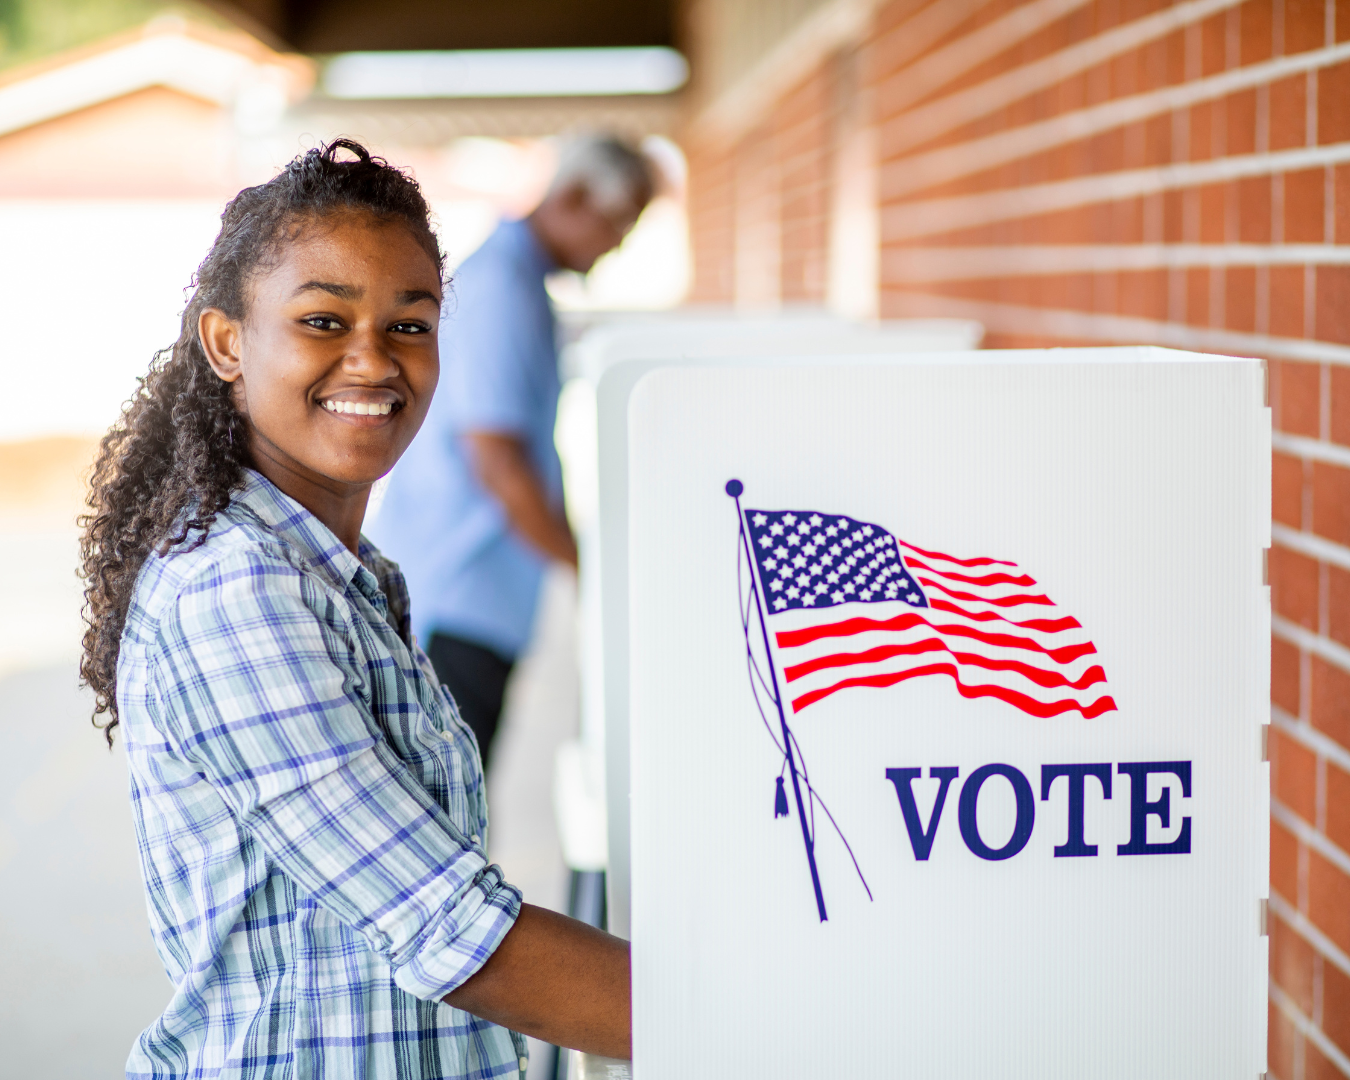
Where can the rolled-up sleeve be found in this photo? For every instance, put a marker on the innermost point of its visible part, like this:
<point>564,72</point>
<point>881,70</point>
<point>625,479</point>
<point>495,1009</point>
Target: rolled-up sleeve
<point>270,702</point>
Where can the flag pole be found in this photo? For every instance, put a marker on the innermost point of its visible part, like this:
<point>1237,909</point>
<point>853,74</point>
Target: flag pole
<point>734,489</point>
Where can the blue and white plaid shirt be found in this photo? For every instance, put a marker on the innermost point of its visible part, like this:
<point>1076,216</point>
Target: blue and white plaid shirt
<point>310,814</point>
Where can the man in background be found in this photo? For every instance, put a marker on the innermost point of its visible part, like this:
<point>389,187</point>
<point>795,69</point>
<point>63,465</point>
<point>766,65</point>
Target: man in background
<point>474,511</point>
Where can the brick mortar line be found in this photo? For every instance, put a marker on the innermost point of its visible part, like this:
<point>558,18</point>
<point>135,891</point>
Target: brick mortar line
<point>1309,1030</point>
<point>976,155</point>
<point>915,81</point>
<point>1066,323</point>
<point>1309,835</point>
<point>1314,449</point>
<point>929,216</point>
<point>1309,931</point>
<point>1312,739</point>
<point>1311,545</point>
<point>1328,650</point>
<point>965,106</point>
<point>919,264</point>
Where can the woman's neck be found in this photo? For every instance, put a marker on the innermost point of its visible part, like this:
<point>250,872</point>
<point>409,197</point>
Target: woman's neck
<point>341,506</point>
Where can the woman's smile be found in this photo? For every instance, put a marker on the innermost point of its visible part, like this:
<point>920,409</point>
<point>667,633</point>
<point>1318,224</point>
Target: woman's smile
<point>360,410</point>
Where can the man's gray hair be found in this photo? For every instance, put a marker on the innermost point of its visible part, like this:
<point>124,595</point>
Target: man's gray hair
<point>615,174</point>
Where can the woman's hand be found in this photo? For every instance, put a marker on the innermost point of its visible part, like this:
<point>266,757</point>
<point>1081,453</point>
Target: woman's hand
<point>558,980</point>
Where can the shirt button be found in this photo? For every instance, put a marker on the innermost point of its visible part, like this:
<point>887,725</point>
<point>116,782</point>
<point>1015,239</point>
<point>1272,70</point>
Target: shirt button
<point>448,736</point>
<point>474,838</point>
<point>524,1064</point>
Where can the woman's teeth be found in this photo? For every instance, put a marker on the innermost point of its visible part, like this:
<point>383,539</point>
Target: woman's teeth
<point>360,408</point>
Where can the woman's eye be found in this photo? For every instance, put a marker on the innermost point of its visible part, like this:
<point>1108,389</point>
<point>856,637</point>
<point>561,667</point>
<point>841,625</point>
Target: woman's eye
<point>322,322</point>
<point>410,328</point>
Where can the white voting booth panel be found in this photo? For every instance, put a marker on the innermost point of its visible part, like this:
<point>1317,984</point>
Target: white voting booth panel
<point>1021,830</point>
<point>589,774</point>
<point>695,336</point>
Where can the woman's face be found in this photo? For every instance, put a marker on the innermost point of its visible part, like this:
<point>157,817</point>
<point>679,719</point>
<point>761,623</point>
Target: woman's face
<point>335,361</point>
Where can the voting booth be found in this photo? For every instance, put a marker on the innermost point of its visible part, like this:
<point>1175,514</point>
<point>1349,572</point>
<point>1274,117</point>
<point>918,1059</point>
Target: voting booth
<point>947,677</point>
<point>591,774</point>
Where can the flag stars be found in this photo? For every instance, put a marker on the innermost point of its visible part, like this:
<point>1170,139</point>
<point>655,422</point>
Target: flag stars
<point>806,559</point>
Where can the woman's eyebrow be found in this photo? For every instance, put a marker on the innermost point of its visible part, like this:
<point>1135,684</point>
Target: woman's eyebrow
<point>342,292</point>
<point>416,296</point>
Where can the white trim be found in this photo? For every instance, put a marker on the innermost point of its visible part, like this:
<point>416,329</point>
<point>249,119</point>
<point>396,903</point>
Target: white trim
<point>927,217</point>
<point>1309,641</point>
<point>1122,329</point>
<point>1309,1030</point>
<point>1312,449</point>
<point>920,264</point>
<point>1308,931</point>
<point>1311,738</point>
<point>1309,835</point>
<point>929,121</point>
<point>948,163</point>
<point>1309,544</point>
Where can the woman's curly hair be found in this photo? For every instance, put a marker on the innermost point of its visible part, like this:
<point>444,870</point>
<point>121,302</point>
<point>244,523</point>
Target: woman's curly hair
<point>177,454</point>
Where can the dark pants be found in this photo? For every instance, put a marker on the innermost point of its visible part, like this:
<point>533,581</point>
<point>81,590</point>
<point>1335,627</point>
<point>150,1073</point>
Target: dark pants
<point>476,677</point>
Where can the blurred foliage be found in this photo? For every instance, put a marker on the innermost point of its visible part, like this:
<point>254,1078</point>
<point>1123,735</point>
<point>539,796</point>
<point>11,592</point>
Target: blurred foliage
<point>33,29</point>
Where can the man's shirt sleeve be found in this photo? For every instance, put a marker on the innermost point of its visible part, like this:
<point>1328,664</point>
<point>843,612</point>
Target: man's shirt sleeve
<point>264,693</point>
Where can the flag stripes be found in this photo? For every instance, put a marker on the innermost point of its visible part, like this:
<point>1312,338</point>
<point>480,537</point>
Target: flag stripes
<point>984,623</point>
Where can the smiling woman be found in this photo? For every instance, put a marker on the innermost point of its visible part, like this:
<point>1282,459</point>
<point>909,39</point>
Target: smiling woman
<point>309,803</point>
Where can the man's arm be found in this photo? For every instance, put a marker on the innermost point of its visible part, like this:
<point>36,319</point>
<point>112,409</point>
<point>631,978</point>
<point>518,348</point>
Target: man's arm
<point>559,980</point>
<point>503,466</point>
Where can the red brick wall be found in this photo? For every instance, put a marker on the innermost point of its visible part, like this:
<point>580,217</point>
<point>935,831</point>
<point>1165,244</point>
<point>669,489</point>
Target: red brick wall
<point>758,207</point>
<point>1125,171</point>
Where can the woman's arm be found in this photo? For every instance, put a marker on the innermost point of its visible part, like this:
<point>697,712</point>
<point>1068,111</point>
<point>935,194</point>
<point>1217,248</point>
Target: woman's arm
<point>559,980</point>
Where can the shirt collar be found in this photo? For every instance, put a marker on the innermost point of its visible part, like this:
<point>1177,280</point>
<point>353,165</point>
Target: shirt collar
<point>300,529</point>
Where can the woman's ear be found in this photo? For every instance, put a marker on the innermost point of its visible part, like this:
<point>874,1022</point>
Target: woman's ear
<point>219,335</point>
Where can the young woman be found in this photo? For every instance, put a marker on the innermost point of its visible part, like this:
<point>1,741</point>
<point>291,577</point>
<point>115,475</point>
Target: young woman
<point>308,803</point>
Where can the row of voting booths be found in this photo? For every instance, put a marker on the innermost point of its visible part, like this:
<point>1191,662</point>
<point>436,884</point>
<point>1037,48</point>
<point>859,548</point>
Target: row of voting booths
<point>924,691</point>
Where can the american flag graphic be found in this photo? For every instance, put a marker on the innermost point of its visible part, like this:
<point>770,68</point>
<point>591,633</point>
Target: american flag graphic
<point>982,622</point>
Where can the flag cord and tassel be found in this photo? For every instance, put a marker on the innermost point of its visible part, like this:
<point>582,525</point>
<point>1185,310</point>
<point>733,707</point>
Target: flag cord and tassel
<point>780,804</point>
<point>734,489</point>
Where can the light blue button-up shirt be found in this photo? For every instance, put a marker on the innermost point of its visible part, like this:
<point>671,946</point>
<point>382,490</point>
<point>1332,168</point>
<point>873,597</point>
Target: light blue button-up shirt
<point>309,811</point>
<point>468,574</point>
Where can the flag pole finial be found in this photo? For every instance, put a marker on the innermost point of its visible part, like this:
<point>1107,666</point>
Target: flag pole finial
<point>734,488</point>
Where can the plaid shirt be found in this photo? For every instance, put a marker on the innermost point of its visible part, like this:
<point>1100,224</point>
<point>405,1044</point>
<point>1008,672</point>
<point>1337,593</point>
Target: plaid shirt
<point>310,814</point>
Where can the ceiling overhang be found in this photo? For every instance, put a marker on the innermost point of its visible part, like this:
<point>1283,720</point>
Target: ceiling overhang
<point>336,26</point>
